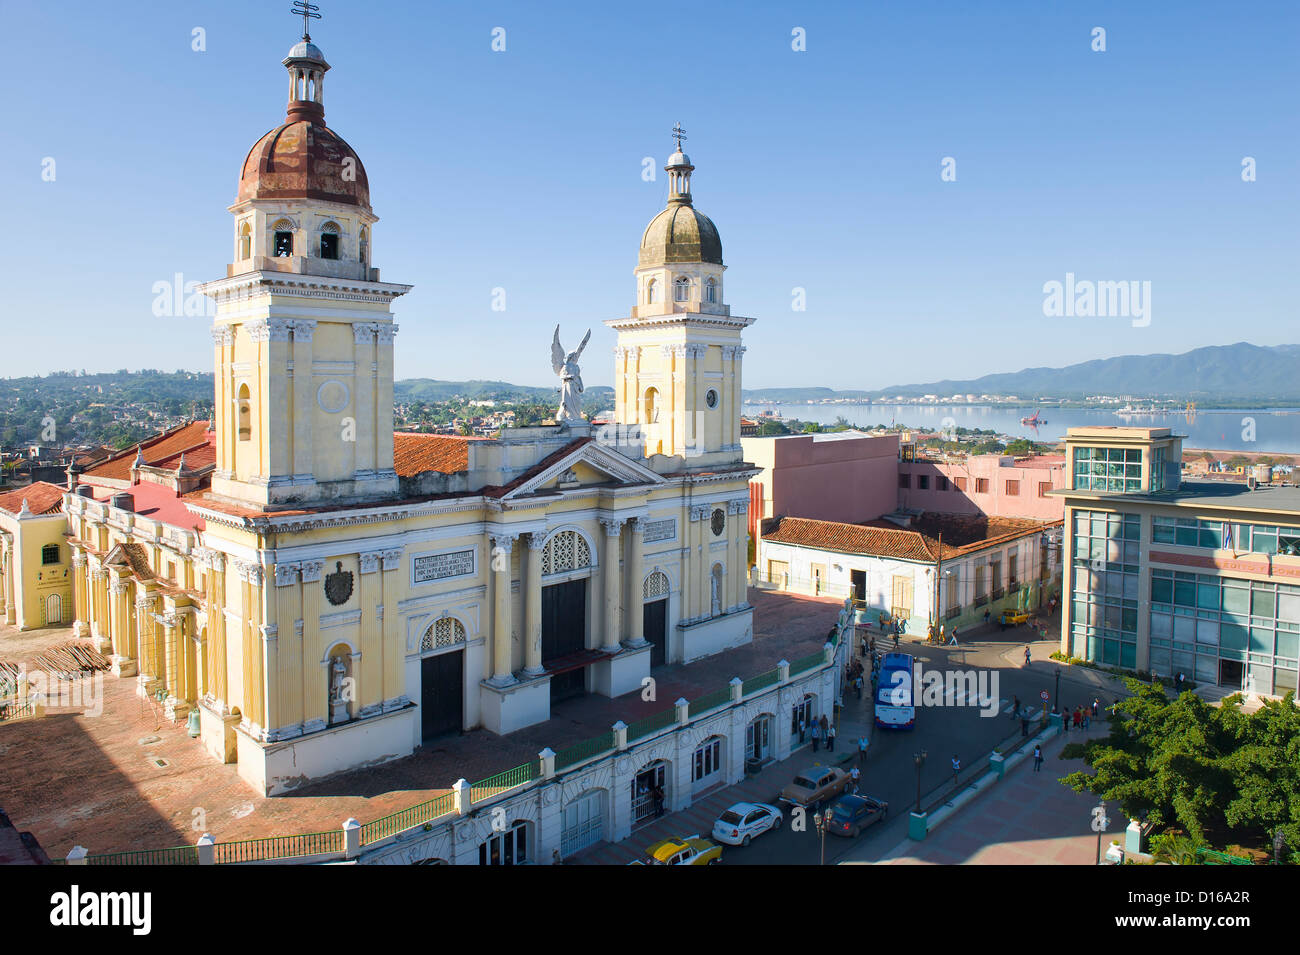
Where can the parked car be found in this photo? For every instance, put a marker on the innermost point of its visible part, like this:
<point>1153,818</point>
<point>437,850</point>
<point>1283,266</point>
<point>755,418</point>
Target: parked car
<point>745,820</point>
<point>688,850</point>
<point>849,815</point>
<point>1013,618</point>
<point>814,785</point>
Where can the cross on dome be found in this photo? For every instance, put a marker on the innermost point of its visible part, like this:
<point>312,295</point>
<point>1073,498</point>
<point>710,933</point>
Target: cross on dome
<point>307,11</point>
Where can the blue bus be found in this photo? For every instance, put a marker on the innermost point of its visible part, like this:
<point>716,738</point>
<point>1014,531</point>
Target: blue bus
<point>895,708</point>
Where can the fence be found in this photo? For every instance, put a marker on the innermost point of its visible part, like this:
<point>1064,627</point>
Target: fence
<point>334,843</point>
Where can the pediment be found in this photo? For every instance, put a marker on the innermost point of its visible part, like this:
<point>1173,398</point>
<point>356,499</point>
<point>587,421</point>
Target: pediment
<point>586,466</point>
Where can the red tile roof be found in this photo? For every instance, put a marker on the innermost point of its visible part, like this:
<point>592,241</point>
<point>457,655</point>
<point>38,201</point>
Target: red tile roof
<point>158,502</point>
<point>850,538</point>
<point>159,448</point>
<point>415,453</point>
<point>42,498</point>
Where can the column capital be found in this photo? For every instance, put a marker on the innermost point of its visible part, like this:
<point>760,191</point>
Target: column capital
<point>118,587</point>
<point>303,329</point>
<point>504,542</point>
<point>311,570</point>
<point>385,332</point>
<point>392,558</point>
<point>363,333</point>
<point>370,562</point>
<point>613,525</point>
<point>287,574</point>
<point>144,603</point>
<point>223,335</point>
<point>537,541</point>
<point>636,525</point>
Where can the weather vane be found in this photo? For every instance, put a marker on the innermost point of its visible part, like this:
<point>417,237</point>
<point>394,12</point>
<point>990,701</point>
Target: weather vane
<point>307,11</point>
<point>679,134</point>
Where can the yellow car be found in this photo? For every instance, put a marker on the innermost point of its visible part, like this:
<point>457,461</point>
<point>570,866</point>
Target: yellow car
<point>1013,618</point>
<point>688,850</point>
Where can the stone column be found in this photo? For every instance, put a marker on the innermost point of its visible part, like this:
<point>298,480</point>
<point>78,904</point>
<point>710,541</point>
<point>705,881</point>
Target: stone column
<point>11,611</point>
<point>502,629</point>
<point>219,679</point>
<point>610,580</point>
<point>121,624</point>
<point>315,702</point>
<point>370,685</point>
<point>80,627</point>
<point>145,629</point>
<point>394,645</point>
<point>533,606</point>
<point>302,464</point>
<point>363,398</point>
<point>632,603</point>
<point>738,558</point>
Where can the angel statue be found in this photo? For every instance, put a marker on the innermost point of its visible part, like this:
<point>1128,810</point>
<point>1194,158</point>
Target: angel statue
<point>566,366</point>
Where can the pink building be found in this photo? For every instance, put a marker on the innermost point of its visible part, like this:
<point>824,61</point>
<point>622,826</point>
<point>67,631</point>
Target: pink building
<point>843,476</point>
<point>990,484</point>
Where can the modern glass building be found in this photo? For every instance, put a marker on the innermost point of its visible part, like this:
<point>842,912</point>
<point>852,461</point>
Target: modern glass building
<point>1170,576</point>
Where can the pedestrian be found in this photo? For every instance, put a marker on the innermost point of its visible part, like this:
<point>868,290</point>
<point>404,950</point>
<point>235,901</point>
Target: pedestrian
<point>956,769</point>
<point>1026,654</point>
<point>1095,704</point>
<point>863,744</point>
<point>857,685</point>
<point>830,739</point>
<point>987,614</point>
<point>873,646</point>
<point>895,639</point>
<point>952,641</point>
<point>1051,607</point>
<point>1086,715</point>
<point>855,775</point>
<point>1024,726</point>
<point>1015,707</point>
<point>803,728</point>
<point>1180,681</point>
<point>1065,719</point>
<point>658,795</point>
<point>1038,757</point>
<point>825,724</point>
<point>816,736</point>
<point>941,635</point>
<point>1078,717</point>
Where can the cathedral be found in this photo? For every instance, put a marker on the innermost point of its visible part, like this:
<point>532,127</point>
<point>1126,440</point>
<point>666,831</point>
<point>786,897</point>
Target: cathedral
<point>315,592</point>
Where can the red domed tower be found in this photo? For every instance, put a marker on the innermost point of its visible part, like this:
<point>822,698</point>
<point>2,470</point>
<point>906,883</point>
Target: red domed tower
<point>304,332</point>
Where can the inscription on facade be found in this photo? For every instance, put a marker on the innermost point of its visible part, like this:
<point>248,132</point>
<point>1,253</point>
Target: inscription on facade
<point>441,566</point>
<point>664,530</point>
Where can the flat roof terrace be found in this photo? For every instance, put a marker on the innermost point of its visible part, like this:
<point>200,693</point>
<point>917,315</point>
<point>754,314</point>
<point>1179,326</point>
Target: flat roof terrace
<point>76,777</point>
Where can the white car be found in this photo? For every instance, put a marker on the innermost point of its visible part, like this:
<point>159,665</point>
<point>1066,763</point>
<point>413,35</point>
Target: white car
<point>745,820</point>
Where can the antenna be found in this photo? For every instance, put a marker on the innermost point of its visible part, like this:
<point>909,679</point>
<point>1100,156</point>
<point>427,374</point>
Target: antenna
<point>307,11</point>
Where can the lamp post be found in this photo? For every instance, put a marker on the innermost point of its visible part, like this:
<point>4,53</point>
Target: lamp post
<point>821,820</point>
<point>919,758</point>
<point>1056,694</point>
<point>1099,823</point>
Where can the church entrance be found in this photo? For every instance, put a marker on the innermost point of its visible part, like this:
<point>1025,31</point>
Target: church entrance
<point>442,693</point>
<point>564,637</point>
<point>655,618</point>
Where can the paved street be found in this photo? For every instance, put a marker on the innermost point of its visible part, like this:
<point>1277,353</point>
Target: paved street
<point>890,773</point>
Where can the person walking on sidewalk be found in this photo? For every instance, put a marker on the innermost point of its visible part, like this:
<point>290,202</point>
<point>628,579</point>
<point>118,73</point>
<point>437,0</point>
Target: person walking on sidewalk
<point>1065,719</point>
<point>987,614</point>
<point>956,769</point>
<point>830,739</point>
<point>1038,757</point>
<point>803,728</point>
<point>1015,707</point>
<point>863,743</point>
<point>952,642</point>
<point>1026,654</point>
<point>1095,704</point>
<point>1086,714</point>
<point>855,776</point>
<point>825,725</point>
<point>1024,726</point>
<point>816,736</point>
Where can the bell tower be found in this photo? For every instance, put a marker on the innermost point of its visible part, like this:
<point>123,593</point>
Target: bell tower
<point>677,365</point>
<point>304,331</point>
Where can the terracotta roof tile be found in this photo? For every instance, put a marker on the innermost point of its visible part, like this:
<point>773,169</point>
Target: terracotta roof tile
<point>160,447</point>
<point>42,498</point>
<point>415,453</point>
<point>849,538</point>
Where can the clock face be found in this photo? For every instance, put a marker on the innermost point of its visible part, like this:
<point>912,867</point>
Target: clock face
<point>719,522</point>
<point>711,398</point>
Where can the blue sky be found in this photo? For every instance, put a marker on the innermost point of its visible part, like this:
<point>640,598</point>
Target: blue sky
<point>522,170</point>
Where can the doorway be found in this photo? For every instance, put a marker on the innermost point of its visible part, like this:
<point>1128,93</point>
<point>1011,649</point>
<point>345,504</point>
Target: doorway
<point>859,580</point>
<point>564,633</point>
<point>643,787</point>
<point>758,744</point>
<point>442,694</point>
<point>655,618</point>
<point>1231,673</point>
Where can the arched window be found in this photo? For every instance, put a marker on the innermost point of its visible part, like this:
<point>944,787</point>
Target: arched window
<point>711,291</point>
<point>364,246</point>
<point>656,586</point>
<point>682,289</point>
<point>329,241</point>
<point>245,414</point>
<point>652,291</point>
<point>245,241</point>
<point>651,405</point>
<point>446,632</point>
<point>565,551</point>
<point>283,245</point>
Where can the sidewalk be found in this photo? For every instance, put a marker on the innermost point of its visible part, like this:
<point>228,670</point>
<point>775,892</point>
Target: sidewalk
<point>1026,819</point>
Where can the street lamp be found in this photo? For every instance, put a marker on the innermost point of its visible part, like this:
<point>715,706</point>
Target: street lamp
<point>1056,694</point>
<point>821,823</point>
<point>919,758</point>
<point>1100,822</point>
